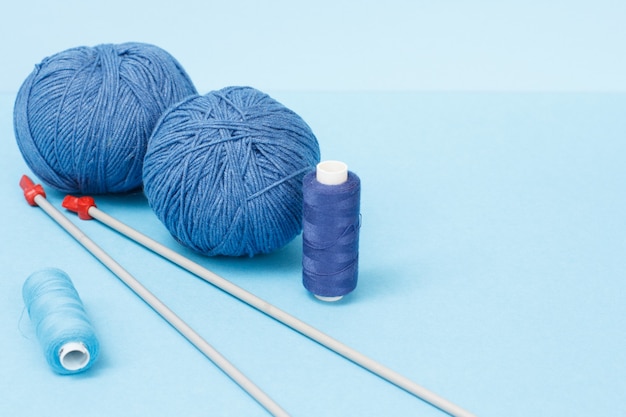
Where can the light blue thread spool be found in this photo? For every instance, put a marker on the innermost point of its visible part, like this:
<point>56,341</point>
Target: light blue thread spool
<point>63,329</point>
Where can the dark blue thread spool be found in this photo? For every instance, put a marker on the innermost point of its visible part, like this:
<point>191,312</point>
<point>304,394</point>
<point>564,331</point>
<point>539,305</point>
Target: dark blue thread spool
<point>330,232</point>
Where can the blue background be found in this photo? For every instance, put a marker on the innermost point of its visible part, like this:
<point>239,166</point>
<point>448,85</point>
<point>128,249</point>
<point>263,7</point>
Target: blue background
<point>490,141</point>
<point>328,45</point>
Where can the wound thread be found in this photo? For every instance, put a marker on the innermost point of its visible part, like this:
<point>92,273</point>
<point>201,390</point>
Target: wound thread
<point>330,237</point>
<point>63,329</point>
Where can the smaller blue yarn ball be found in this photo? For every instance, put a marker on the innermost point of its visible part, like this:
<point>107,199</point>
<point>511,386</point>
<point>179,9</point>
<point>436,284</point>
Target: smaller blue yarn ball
<point>83,117</point>
<point>223,172</point>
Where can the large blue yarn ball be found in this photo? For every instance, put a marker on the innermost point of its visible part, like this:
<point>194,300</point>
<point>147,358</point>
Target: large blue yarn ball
<point>83,117</point>
<point>223,172</point>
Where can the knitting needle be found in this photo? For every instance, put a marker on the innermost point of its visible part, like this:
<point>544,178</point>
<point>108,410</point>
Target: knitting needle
<point>86,209</point>
<point>36,196</point>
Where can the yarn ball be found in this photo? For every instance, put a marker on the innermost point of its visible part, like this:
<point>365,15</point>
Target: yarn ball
<point>223,172</point>
<point>83,117</point>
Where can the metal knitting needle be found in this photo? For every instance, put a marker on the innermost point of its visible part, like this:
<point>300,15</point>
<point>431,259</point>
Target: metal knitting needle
<point>86,209</point>
<point>36,196</point>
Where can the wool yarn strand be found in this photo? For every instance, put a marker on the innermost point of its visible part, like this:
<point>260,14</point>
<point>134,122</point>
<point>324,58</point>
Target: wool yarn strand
<point>61,323</point>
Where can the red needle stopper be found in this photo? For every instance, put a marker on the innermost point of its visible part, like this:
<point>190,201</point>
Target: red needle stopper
<point>80,205</point>
<point>31,190</point>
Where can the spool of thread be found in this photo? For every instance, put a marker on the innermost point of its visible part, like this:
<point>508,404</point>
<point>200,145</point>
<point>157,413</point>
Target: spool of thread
<point>223,172</point>
<point>83,117</point>
<point>330,234</point>
<point>63,329</point>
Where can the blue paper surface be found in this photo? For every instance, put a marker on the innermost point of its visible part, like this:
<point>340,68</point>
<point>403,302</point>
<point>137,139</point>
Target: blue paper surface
<point>491,272</point>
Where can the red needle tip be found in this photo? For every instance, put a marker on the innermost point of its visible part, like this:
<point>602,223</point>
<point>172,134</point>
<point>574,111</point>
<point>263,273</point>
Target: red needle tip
<point>80,205</point>
<point>31,190</point>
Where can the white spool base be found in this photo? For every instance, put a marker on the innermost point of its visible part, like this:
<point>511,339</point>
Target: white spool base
<point>74,356</point>
<point>328,299</point>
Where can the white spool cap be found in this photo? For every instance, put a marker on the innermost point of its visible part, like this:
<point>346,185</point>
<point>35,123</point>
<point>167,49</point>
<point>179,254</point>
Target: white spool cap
<point>331,173</point>
<point>74,356</point>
